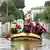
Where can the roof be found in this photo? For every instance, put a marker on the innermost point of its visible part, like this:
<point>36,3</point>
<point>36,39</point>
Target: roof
<point>41,7</point>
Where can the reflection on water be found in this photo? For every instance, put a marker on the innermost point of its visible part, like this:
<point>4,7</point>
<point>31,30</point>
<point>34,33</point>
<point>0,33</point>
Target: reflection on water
<point>26,45</point>
<point>32,45</point>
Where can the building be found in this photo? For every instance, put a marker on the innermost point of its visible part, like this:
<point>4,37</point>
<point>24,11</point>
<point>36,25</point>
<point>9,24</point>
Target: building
<point>36,10</point>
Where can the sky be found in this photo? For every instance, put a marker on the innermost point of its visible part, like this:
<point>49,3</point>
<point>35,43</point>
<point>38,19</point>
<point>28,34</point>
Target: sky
<point>33,3</point>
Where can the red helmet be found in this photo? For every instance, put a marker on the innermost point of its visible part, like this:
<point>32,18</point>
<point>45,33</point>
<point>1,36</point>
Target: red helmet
<point>18,26</point>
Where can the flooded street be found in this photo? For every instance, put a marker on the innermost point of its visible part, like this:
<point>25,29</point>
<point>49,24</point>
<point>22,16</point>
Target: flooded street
<point>26,44</point>
<point>32,45</point>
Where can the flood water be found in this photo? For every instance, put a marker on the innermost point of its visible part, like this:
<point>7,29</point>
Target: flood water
<point>26,45</point>
<point>32,45</point>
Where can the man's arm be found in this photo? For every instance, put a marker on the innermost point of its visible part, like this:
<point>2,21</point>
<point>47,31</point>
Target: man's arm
<point>43,29</point>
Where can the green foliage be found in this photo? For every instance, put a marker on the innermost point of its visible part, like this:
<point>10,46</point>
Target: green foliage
<point>45,15</point>
<point>12,10</point>
<point>19,3</point>
<point>3,8</point>
<point>39,16</point>
<point>21,14</point>
<point>36,16</point>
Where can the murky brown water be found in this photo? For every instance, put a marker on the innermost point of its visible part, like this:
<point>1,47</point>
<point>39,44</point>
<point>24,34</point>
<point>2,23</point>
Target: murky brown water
<point>26,45</point>
<point>32,45</point>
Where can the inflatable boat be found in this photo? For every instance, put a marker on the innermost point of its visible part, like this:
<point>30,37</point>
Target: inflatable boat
<point>25,36</point>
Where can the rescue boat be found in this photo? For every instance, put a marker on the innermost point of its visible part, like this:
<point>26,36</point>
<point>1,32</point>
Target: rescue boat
<point>25,36</point>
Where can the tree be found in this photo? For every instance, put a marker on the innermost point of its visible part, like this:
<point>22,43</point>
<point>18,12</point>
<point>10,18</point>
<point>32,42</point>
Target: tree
<point>47,3</point>
<point>45,15</point>
<point>21,5</point>
<point>12,10</point>
<point>39,16</point>
<point>36,16</point>
<point>3,8</point>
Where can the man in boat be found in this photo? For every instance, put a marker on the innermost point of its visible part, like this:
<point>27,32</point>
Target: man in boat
<point>28,24</point>
<point>30,27</point>
<point>39,29</point>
